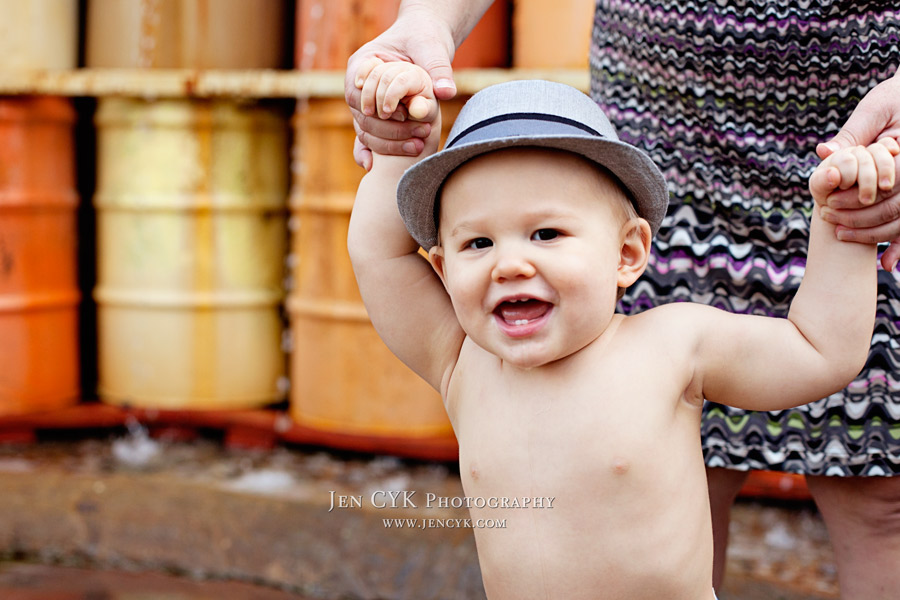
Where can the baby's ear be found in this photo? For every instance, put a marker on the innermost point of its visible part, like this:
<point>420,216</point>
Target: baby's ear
<point>436,257</point>
<point>634,251</point>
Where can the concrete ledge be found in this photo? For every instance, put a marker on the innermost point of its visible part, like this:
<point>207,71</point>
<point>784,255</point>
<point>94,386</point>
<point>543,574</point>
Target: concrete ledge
<point>257,517</point>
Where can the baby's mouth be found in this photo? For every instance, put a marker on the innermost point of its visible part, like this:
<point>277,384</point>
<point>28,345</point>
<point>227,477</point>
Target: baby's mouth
<point>522,312</point>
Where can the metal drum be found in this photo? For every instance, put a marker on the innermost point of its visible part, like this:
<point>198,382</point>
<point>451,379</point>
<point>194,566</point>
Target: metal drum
<point>191,239</point>
<point>39,368</point>
<point>195,34</point>
<point>347,389</point>
<point>38,34</point>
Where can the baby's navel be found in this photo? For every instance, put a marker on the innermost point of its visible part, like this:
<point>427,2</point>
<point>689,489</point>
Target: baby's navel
<point>619,465</point>
<point>473,471</point>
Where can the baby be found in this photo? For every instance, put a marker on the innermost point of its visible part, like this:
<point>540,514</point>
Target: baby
<point>535,216</point>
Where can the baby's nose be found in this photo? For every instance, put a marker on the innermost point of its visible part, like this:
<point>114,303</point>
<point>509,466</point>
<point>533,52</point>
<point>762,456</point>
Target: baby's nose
<point>512,265</point>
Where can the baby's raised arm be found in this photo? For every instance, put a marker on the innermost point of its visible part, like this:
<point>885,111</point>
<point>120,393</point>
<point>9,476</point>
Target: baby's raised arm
<point>404,297</point>
<point>763,363</point>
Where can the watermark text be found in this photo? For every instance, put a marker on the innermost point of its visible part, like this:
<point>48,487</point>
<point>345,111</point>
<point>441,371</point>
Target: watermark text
<point>444,523</point>
<point>408,499</point>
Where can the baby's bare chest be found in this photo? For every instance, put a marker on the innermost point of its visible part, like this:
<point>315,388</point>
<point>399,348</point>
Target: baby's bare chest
<point>597,425</point>
<point>604,410</point>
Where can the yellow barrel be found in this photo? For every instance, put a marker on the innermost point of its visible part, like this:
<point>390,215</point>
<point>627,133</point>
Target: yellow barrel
<point>191,239</point>
<point>38,285</point>
<point>38,34</point>
<point>347,389</point>
<point>197,34</point>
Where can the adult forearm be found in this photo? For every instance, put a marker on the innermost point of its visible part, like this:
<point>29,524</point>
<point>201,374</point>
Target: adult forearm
<point>459,16</point>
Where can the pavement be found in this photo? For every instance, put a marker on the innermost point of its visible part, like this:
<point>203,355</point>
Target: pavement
<point>129,517</point>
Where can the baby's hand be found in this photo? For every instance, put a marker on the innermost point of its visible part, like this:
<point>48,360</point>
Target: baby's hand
<point>870,168</point>
<point>388,85</point>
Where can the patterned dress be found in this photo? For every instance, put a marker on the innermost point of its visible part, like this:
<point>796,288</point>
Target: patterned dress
<point>730,98</point>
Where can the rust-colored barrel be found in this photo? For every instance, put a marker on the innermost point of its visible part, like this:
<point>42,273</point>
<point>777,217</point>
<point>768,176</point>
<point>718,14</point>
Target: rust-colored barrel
<point>198,34</point>
<point>347,389</point>
<point>328,32</point>
<point>191,239</point>
<point>38,283</point>
<point>552,34</point>
<point>38,34</point>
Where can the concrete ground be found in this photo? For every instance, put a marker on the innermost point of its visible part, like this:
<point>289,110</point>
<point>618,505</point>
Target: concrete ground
<point>137,518</point>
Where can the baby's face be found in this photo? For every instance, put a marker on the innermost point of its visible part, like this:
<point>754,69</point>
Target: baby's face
<point>529,253</point>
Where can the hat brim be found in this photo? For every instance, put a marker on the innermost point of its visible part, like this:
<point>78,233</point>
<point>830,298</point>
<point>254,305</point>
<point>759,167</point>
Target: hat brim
<point>419,186</point>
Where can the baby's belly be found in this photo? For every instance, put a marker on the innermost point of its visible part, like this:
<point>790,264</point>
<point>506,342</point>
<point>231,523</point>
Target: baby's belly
<point>594,562</point>
<point>626,526</point>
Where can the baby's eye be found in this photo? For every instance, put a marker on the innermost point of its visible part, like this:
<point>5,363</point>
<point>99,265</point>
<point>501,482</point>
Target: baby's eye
<point>545,235</point>
<point>479,243</point>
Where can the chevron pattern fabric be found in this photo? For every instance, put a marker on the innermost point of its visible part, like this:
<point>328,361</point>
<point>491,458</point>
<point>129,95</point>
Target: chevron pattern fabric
<point>730,100</point>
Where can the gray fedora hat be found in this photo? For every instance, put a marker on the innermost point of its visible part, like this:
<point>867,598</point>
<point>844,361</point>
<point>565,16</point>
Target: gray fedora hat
<point>529,113</point>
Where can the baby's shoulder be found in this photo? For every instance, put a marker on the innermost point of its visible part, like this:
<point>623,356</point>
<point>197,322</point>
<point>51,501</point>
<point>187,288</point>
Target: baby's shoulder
<point>679,320</point>
<point>672,313</point>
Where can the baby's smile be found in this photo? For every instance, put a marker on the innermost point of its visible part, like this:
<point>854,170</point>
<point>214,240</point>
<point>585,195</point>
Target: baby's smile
<point>522,316</point>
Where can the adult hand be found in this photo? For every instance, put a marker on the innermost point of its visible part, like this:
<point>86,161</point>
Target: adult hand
<point>416,36</point>
<point>867,222</point>
<point>877,115</point>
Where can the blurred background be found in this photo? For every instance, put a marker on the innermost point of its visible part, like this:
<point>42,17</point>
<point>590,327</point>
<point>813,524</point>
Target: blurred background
<point>187,372</point>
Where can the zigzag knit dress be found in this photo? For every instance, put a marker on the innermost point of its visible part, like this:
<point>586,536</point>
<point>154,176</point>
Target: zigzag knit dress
<point>730,98</point>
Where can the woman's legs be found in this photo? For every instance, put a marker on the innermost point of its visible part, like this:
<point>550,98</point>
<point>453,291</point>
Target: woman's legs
<point>862,515</point>
<point>724,485</point>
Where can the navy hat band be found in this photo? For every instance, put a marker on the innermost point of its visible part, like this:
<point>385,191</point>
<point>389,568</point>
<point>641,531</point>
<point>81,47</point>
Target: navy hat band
<point>521,124</point>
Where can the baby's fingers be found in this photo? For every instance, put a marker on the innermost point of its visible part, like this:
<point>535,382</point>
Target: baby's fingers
<point>823,181</point>
<point>365,68</point>
<point>847,164</point>
<point>371,97</point>
<point>393,87</point>
<point>409,85</point>
<point>884,151</point>
<point>867,175</point>
<point>891,144</point>
<point>368,101</point>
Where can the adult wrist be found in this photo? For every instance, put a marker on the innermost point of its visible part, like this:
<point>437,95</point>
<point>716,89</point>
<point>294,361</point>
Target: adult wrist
<point>458,17</point>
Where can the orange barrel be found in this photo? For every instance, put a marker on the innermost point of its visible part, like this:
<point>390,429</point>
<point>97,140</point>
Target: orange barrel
<point>38,281</point>
<point>775,485</point>
<point>191,238</point>
<point>197,34</point>
<point>552,34</point>
<point>329,31</point>
<point>347,389</point>
<point>38,34</point>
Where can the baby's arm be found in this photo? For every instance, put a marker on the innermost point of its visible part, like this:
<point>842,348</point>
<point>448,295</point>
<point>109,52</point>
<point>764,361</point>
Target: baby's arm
<point>763,363</point>
<point>404,297</point>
